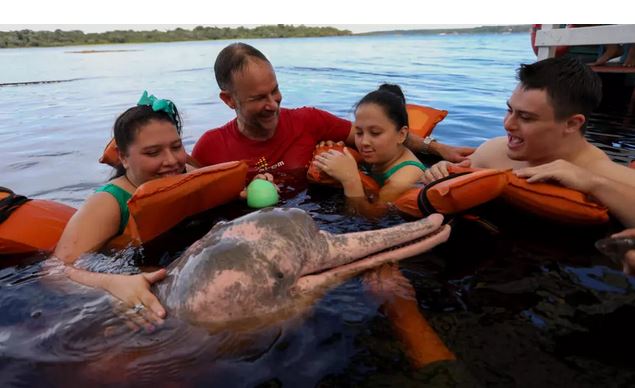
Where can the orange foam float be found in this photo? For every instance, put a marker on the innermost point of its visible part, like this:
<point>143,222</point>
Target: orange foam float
<point>422,344</point>
<point>553,201</point>
<point>423,119</point>
<point>155,207</point>
<point>466,188</point>
<point>30,225</point>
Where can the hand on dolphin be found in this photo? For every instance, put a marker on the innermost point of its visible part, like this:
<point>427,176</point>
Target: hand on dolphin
<point>133,290</point>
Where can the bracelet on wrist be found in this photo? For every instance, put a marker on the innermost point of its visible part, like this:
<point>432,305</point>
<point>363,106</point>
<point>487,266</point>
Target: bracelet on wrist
<point>426,144</point>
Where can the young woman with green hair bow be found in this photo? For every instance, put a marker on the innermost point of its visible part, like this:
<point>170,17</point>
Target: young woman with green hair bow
<point>148,138</point>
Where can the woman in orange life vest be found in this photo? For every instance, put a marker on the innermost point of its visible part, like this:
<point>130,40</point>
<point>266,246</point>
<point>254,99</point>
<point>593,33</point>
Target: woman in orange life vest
<point>148,138</point>
<point>381,128</point>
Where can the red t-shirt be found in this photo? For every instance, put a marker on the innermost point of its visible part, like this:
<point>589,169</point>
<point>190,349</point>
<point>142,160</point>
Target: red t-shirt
<point>290,148</point>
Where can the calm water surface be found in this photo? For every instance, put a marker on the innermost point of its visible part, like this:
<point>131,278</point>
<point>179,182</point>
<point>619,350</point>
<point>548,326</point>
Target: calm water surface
<point>519,302</point>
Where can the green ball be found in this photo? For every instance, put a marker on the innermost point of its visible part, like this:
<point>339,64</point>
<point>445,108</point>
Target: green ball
<point>261,193</point>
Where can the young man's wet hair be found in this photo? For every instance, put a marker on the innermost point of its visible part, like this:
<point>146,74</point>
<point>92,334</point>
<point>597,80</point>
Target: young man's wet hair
<point>572,87</point>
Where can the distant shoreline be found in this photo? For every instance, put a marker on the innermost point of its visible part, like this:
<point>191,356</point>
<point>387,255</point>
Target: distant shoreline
<point>59,38</point>
<point>449,31</point>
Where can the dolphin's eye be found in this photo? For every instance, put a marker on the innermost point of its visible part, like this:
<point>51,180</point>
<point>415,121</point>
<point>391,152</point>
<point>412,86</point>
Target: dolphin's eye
<point>279,275</point>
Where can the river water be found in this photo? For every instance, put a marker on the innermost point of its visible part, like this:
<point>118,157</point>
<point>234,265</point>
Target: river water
<point>517,301</point>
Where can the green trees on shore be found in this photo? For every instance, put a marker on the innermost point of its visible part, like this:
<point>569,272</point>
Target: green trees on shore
<point>29,38</point>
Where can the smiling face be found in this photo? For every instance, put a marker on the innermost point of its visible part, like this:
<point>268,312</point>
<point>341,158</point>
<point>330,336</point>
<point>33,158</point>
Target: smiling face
<point>256,98</point>
<point>156,151</point>
<point>533,132</point>
<point>377,138</point>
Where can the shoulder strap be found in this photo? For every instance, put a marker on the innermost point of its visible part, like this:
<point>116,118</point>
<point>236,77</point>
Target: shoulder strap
<point>397,167</point>
<point>122,197</point>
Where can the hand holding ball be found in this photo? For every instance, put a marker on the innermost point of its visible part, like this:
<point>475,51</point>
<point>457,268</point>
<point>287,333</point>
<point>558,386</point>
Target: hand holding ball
<point>261,193</point>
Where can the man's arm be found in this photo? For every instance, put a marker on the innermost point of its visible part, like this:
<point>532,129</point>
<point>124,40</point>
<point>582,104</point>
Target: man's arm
<point>610,183</point>
<point>490,154</point>
<point>450,153</point>
<point>617,196</point>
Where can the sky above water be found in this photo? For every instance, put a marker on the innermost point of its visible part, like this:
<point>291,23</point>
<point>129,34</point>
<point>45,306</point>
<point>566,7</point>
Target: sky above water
<point>357,16</point>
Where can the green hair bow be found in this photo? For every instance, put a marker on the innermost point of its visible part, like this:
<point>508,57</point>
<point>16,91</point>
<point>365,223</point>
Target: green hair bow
<point>157,104</point>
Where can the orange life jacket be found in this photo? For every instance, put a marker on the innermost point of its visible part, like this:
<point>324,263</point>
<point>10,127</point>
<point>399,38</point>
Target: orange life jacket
<point>160,204</point>
<point>466,188</point>
<point>155,207</point>
<point>316,175</point>
<point>30,225</point>
<point>553,201</point>
<point>463,189</point>
<point>423,119</point>
<point>458,193</point>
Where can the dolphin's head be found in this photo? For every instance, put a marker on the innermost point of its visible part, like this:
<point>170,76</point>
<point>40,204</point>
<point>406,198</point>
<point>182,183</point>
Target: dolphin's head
<point>259,264</point>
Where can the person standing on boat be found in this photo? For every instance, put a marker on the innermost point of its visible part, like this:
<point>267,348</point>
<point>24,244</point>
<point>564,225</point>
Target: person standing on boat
<point>616,50</point>
<point>148,138</point>
<point>546,118</point>
<point>271,138</point>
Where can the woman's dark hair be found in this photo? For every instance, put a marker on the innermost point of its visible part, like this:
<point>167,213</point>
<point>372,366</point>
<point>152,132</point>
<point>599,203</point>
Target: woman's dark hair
<point>392,100</point>
<point>129,122</point>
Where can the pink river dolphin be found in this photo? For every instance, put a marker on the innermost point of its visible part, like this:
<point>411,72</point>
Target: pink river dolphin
<point>268,263</point>
<point>227,297</point>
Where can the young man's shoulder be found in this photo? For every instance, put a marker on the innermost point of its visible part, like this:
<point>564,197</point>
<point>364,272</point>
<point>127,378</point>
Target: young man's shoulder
<point>492,154</point>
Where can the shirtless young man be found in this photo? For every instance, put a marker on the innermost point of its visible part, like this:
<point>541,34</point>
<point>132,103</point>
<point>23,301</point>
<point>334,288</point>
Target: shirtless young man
<point>545,123</point>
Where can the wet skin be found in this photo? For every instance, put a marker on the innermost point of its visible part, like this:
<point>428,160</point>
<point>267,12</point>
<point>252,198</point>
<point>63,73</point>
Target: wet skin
<point>274,260</point>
